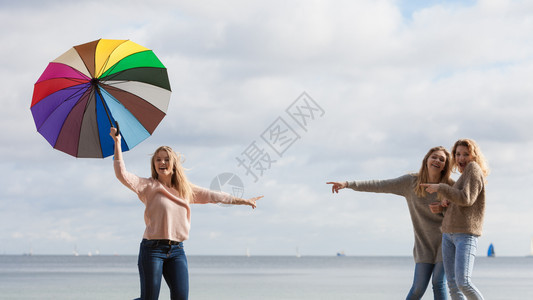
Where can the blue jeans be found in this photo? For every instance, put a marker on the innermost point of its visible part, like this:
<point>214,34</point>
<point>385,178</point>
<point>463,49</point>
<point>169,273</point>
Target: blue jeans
<point>459,253</point>
<point>169,261</point>
<point>424,272</point>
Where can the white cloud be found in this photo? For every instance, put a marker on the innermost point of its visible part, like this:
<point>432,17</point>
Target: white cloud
<point>393,80</point>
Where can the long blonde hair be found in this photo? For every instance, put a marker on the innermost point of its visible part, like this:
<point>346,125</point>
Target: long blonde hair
<point>423,174</point>
<point>179,180</point>
<point>475,153</point>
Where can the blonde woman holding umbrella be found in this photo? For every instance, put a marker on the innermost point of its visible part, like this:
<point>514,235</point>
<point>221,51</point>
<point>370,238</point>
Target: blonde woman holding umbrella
<point>167,195</point>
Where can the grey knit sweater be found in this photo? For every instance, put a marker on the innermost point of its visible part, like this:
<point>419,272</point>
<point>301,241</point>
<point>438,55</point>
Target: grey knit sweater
<point>426,225</point>
<point>466,211</point>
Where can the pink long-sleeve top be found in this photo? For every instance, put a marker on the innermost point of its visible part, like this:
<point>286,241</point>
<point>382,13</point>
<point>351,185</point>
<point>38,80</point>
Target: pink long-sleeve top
<point>167,216</point>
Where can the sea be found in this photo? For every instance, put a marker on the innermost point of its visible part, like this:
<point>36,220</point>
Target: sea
<point>249,278</point>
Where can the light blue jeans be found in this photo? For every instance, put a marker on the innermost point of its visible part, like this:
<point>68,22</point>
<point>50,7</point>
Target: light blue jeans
<point>423,273</point>
<point>459,253</point>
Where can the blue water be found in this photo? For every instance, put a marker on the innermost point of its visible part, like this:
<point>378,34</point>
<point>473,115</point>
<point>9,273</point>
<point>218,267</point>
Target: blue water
<point>250,278</point>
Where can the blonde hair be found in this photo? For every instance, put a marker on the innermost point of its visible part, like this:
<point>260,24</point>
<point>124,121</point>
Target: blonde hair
<point>423,174</point>
<point>179,180</point>
<point>475,153</point>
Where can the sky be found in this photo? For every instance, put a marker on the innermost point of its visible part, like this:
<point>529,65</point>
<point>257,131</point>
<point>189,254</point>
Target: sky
<point>377,84</point>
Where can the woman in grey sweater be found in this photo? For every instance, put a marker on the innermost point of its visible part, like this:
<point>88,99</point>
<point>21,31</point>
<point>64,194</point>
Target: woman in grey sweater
<point>463,220</point>
<point>427,249</point>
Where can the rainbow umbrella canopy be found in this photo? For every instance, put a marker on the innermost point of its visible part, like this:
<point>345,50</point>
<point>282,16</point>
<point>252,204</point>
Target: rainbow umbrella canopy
<point>94,86</point>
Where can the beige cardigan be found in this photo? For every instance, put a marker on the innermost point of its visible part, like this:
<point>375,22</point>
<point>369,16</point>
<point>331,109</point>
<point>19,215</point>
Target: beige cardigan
<point>466,211</point>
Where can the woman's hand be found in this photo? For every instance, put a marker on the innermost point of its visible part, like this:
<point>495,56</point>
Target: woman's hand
<point>251,202</point>
<point>430,187</point>
<point>436,207</point>
<point>118,146</point>
<point>337,186</point>
<point>114,135</point>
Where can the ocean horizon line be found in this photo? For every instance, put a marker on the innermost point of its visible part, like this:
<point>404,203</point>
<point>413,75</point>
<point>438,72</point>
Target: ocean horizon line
<point>243,255</point>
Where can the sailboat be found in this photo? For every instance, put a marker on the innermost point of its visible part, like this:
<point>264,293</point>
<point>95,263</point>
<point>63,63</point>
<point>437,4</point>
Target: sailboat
<point>298,255</point>
<point>491,252</point>
<point>531,248</point>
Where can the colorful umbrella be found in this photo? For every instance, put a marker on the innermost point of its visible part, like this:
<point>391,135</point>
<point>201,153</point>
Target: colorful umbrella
<point>94,86</point>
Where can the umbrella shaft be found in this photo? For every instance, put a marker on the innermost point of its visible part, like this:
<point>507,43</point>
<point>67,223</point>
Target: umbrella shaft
<point>105,107</point>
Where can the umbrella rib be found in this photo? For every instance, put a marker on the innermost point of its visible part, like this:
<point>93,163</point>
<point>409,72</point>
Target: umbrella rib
<point>115,82</point>
<point>101,71</point>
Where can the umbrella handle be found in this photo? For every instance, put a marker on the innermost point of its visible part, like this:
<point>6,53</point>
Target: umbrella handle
<point>118,129</point>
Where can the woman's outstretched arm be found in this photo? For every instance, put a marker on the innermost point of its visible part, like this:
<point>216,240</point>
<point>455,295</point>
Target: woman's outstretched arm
<point>203,196</point>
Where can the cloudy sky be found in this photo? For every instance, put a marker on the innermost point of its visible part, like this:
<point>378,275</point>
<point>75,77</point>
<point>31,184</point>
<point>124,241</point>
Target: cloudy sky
<point>384,81</point>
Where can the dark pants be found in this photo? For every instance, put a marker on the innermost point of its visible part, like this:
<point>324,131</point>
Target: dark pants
<point>158,260</point>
